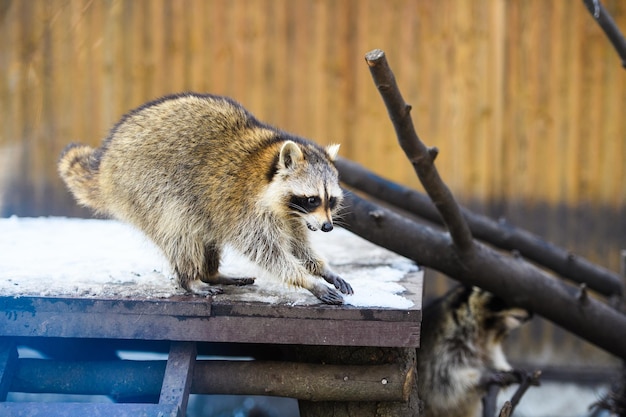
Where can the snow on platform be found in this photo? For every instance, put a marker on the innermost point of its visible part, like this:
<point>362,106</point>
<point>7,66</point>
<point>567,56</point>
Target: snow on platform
<point>106,258</point>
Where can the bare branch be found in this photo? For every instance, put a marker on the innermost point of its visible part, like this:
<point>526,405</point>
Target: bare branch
<point>470,262</point>
<point>420,156</point>
<point>528,380</point>
<point>609,27</point>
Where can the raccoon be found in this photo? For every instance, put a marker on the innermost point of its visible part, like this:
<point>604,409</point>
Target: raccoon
<point>195,172</point>
<point>461,347</point>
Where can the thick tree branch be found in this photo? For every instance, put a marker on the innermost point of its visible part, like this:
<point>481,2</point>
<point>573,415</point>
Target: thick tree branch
<point>513,279</point>
<point>420,156</point>
<point>497,233</point>
<point>609,27</point>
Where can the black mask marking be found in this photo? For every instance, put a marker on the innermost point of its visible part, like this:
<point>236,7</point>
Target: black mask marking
<point>304,204</point>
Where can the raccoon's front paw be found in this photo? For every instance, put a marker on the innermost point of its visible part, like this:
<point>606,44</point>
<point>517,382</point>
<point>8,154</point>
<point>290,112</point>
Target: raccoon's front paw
<point>338,282</point>
<point>327,294</point>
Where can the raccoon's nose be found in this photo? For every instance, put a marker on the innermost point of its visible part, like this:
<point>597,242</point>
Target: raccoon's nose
<point>327,227</point>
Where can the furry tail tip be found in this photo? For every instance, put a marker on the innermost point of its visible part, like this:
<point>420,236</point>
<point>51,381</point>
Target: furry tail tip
<point>78,167</point>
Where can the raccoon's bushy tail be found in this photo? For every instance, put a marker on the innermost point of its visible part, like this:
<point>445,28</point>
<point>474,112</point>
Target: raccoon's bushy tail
<point>79,168</point>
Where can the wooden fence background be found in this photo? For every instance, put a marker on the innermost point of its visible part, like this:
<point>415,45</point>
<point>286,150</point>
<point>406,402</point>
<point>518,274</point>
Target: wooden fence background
<point>525,99</point>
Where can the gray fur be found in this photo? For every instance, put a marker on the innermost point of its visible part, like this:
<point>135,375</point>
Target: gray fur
<point>195,172</point>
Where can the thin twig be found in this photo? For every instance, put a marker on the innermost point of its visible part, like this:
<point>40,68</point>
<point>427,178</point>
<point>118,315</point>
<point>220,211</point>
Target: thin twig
<point>528,380</point>
<point>507,409</point>
<point>606,22</point>
<point>419,154</point>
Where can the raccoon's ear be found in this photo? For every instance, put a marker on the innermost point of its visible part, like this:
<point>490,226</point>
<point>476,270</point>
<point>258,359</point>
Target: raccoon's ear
<point>332,151</point>
<point>290,155</point>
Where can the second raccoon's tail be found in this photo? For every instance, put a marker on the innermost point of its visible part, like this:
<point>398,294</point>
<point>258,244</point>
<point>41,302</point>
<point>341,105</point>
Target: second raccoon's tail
<point>79,168</point>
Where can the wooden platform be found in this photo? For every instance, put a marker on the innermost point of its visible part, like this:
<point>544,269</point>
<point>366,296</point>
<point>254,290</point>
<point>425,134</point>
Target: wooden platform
<point>242,315</point>
<point>209,320</point>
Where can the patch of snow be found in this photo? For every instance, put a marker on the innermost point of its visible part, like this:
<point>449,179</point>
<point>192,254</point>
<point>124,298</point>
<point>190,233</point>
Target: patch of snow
<point>77,257</point>
<point>107,258</point>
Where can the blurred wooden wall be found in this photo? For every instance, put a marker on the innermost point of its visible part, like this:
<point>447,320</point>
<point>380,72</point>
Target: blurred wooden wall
<point>525,99</point>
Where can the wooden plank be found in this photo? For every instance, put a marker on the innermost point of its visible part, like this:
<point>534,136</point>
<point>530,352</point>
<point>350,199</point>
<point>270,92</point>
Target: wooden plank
<point>190,306</point>
<point>195,319</point>
<point>213,329</point>
<point>178,375</point>
<point>449,100</point>
<point>316,312</point>
<point>312,332</point>
<point>87,409</point>
<point>8,364</point>
<point>175,306</point>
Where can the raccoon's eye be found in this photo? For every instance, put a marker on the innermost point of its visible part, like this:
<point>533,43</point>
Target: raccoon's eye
<point>304,204</point>
<point>313,202</point>
<point>332,202</point>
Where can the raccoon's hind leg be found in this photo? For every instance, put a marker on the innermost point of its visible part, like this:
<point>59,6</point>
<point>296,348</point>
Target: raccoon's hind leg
<point>195,286</point>
<point>211,273</point>
<point>187,256</point>
<point>198,274</point>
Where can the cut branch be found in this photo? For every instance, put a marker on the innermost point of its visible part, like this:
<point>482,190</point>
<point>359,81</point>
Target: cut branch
<point>420,156</point>
<point>497,233</point>
<point>609,27</point>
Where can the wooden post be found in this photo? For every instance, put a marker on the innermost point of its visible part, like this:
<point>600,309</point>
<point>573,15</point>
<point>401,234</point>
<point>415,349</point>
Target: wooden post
<point>178,375</point>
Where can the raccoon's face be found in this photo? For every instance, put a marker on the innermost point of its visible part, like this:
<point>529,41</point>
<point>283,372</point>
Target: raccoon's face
<point>495,314</point>
<point>309,184</point>
<point>480,309</point>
